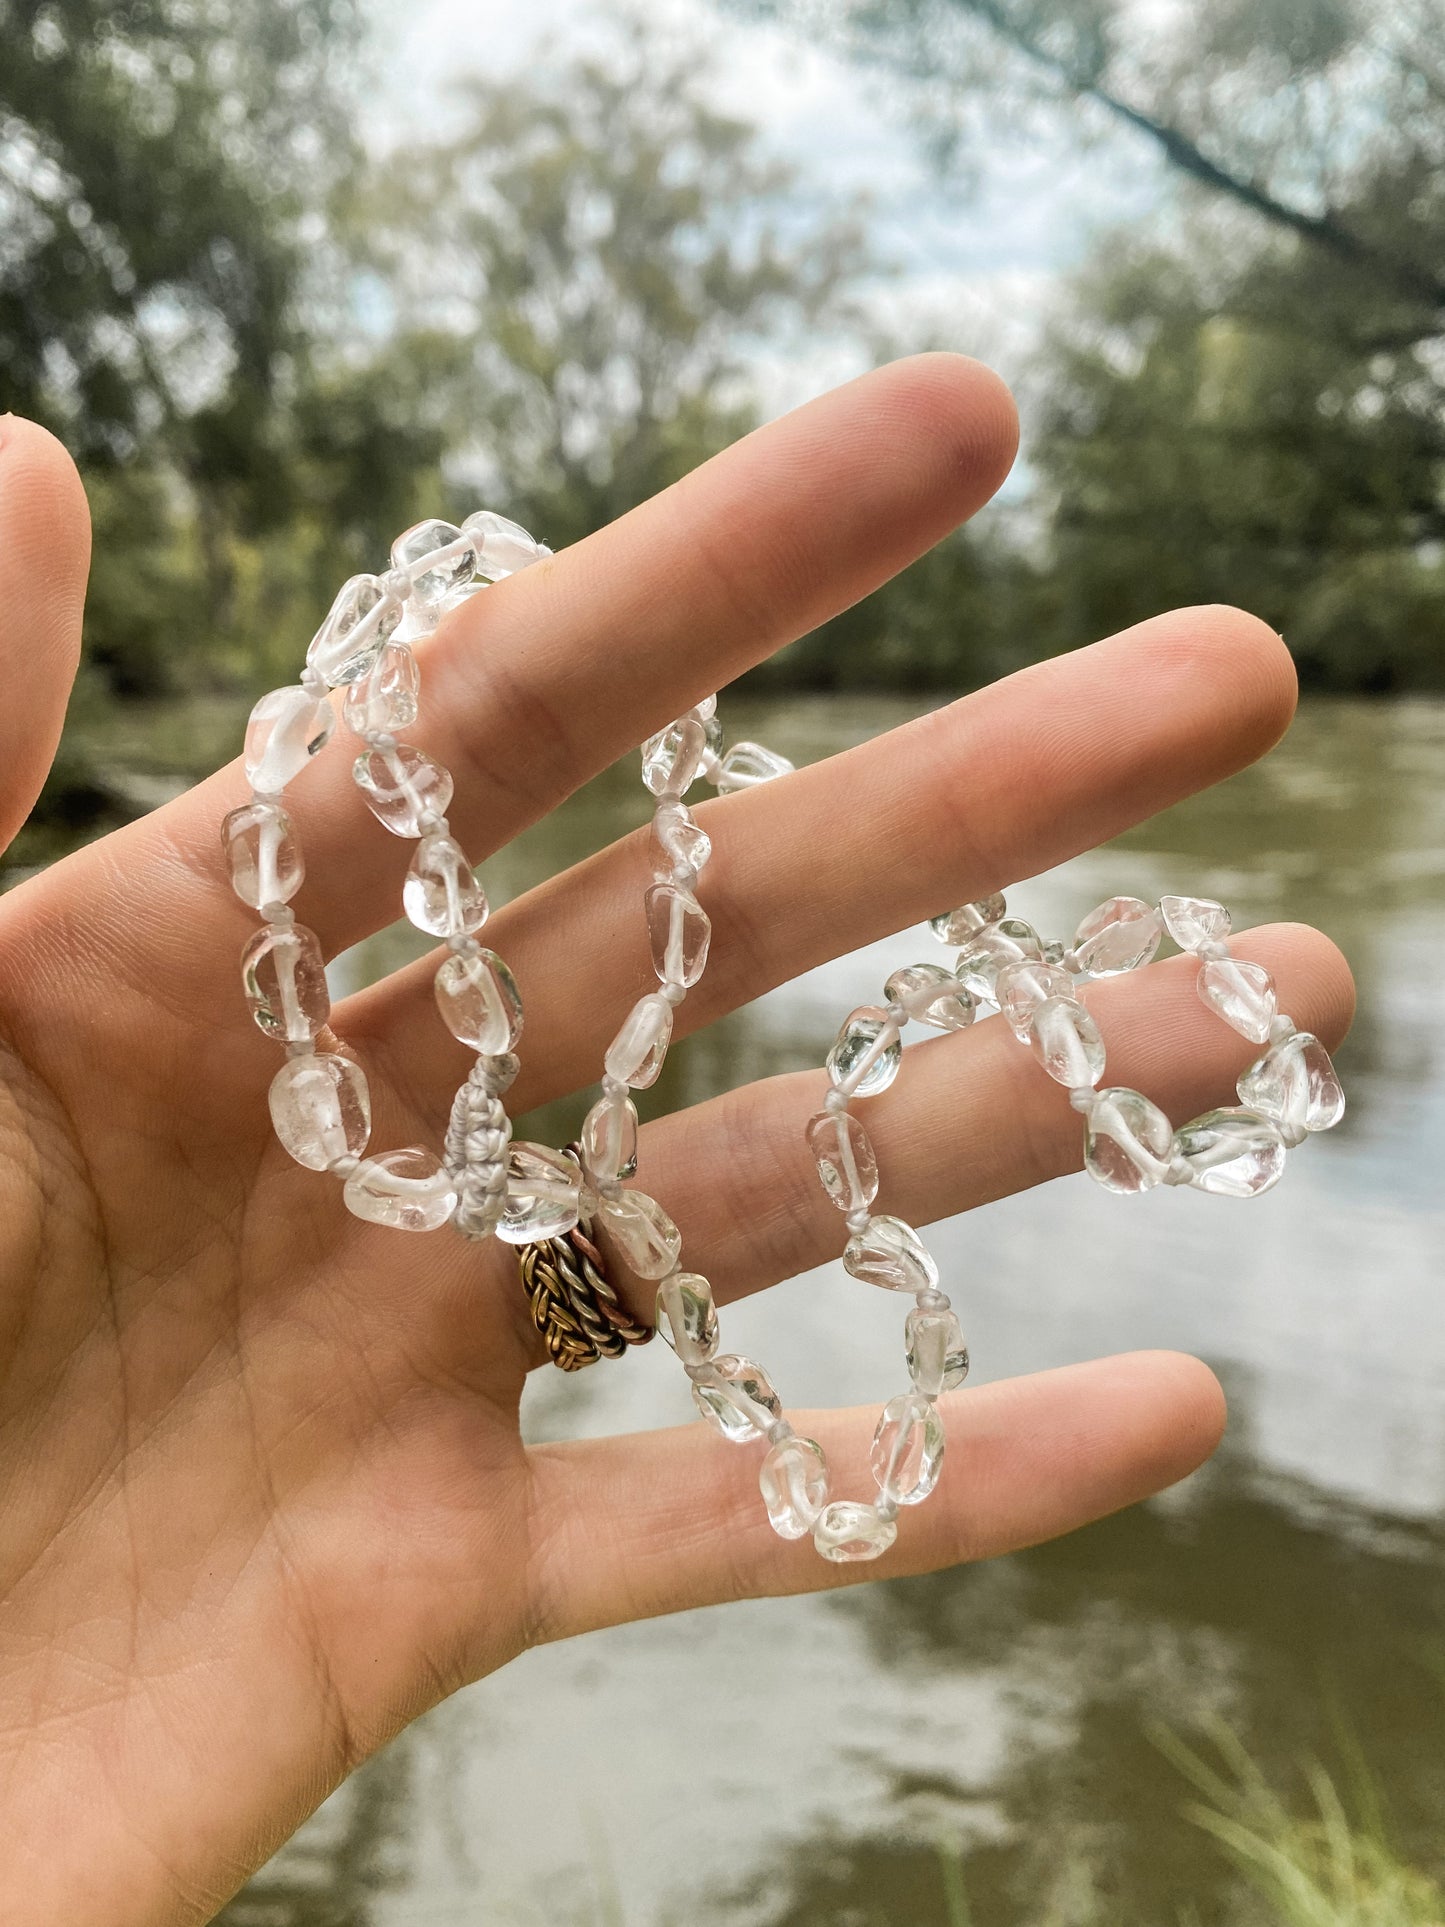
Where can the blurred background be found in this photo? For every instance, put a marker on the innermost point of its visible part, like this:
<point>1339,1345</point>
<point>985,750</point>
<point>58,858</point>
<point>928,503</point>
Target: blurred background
<point>288,274</point>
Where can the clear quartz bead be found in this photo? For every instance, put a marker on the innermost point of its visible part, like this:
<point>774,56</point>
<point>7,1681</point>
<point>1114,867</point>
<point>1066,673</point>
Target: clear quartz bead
<point>608,1139</point>
<point>285,730</point>
<point>503,547</point>
<point>408,1190</point>
<point>1128,1142</point>
<point>1122,934</point>
<point>1012,941</point>
<point>420,620</point>
<point>262,854</point>
<point>321,1109</point>
<point>907,1454</point>
<point>935,1349</point>
<point>431,587</point>
<point>1243,994</point>
<point>846,1162</point>
<point>737,1398</point>
<point>284,978</point>
<point>748,764</point>
<point>1232,1153</point>
<point>794,1484</point>
<point>402,787</point>
<point>544,1195</point>
<point>890,1253</point>
<point>848,1531</point>
<point>357,628</point>
<point>479,1001</point>
<point>1067,1042</point>
<point>672,758</point>
<point>642,1231</point>
<point>677,842</point>
<point>687,1316</point>
<point>866,1053</point>
<point>679,931</point>
<point>635,1055</point>
<point>1192,921</point>
<point>1296,1086</point>
<point>388,698</point>
<point>931,995</point>
<point>961,925</point>
<point>441,894</point>
<point>1019,989</point>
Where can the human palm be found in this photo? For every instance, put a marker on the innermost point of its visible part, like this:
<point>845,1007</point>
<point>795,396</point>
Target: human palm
<point>263,1496</point>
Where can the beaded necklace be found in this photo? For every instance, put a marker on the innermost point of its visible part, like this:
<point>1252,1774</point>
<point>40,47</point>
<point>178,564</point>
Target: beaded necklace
<point>526,1193</point>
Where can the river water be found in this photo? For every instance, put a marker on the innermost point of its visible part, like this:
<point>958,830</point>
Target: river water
<point>798,1763</point>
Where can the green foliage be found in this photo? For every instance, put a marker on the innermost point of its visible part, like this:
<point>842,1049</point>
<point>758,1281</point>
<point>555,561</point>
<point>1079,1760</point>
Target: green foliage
<point>604,247</point>
<point>1242,401</point>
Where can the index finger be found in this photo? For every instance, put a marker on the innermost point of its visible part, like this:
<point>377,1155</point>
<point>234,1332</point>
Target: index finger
<point>534,686</point>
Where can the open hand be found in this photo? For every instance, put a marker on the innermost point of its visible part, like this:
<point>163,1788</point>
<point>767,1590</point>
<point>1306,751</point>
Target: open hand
<point>262,1493</point>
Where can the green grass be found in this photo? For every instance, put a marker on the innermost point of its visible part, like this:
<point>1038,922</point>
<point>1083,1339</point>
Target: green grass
<point>1332,1866</point>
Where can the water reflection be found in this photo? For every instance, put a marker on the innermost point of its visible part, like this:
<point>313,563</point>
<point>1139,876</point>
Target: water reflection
<point>812,1752</point>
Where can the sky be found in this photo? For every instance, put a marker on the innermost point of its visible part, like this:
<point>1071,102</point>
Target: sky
<point>977,272</point>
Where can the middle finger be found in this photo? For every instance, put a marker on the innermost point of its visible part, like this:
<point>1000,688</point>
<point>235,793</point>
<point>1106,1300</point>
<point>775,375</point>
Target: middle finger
<point>963,801</point>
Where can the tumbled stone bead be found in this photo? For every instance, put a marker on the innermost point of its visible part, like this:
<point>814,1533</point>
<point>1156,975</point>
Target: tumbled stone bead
<point>679,931</point>
<point>284,978</point>
<point>1121,934</point>
<point>907,1454</point>
<point>1128,1141</point>
<point>635,1055</point>
<point>262,854</point>
<point>748,764</point>
<point>1194,921</point>
<point>935,1350</point>
<point>793,1480</point>
<point>931,995</point>
<point>480,1003</point>
<point>432,586</point>
<point>848,1531</point>
<point>958,926</point>
<point>408,1190</point>
<point>1012,941</point>
<point>1019,989</point>
<point>1243,994</point>
<point>1232,1153</point>
<point>389,698</point>
<point>737,1398</point>
<point>441,894</point>
<point>503,547</point>
<point>1067,1042</point>
<point>357,628</point>
<point>401,786</point>
<point>1296,1086</point>
<point>321,1109</point>
<point>285,730</point>
<point>677,842</point>
<point>866,1053</point>
<point>642,1231</point>
<point>687,1316</point>
<point>890,1253</point>
<point>608,1140</point>
<point>544,1195</point>
<point>845,1159</point>
<point>672,758</point>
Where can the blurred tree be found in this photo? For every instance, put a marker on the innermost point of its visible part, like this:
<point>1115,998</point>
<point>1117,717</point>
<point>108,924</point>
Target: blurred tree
<point>164,168</point>
<point>1246,400</point>
<point>581,273</point>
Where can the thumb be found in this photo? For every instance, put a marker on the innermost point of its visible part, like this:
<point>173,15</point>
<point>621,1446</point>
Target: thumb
<point>44,562</point>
